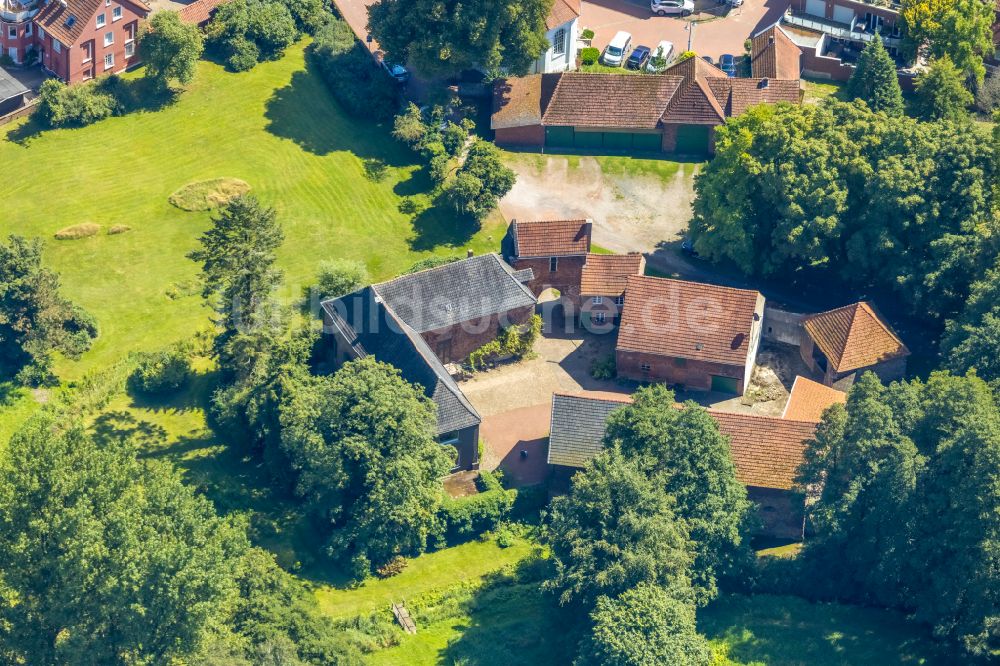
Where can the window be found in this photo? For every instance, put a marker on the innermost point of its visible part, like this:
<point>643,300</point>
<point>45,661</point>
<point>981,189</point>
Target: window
<point>553,264</point>
<point>56,46</point>
<point>619,300</point>
<point>88,73</point>
<point>109,61</point>
<point>644,367</point>
<point>100,20</point>
<point>27,29</point>
<point>12,32</point>
<point>109,38</point>
<point>597,300</point>
<point>129,50</point>
<point>559,42</point>
<point>599,317</point>
<point>116,13</point>
<point>88,51</point>
<point>41,33</point>
<point>130,33</point>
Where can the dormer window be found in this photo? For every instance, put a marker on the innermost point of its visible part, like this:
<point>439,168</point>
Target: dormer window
<point>101,20</point>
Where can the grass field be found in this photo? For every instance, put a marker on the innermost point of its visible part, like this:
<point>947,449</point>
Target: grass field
<point>275,127</point>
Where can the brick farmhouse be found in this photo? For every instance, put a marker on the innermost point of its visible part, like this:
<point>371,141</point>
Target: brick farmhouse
<point>75,40</point>
<point>422,321</point>
<point>554,250</point>
<point>698,336</point>
<point>766,452</point>
<point>674,112</point>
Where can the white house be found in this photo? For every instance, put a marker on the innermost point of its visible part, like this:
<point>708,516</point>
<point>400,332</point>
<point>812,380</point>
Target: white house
<point>563,22</point>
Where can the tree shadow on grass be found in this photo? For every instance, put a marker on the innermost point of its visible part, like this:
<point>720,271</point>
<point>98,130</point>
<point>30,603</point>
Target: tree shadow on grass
<point>439,224</point>
<point>305,112</point>
<point>510,620</point>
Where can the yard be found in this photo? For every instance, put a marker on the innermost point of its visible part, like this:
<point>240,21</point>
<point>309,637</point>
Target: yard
<point>275,127</point>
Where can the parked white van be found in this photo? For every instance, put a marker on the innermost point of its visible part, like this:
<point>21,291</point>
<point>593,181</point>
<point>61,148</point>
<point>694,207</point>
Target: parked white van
<point>617,49</point>
<point>660,57</point>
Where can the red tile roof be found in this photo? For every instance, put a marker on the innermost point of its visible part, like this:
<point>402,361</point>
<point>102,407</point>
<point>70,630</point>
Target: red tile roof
<point>200,11</point>
<point>766,450</point>
<point>563,11</point>
<point>688,320</point>
<point>607,274</point>
<point>854,337</point>
<point>738,95</point>
<point>66,23</point>
<point>810,399</point>
<point>695,103</point>
<point>774,55</point>
<point>551,238</point>
<point>610,100</point>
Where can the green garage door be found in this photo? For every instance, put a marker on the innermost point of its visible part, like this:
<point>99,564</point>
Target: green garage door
<point>724,384</point>
<point>561,137</point>
<point>692,139</point>
<point>626,141</point>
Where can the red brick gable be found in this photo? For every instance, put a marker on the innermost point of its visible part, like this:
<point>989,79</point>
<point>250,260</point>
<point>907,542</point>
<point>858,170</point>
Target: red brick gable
<point>67,23</point>
<point>551,238</point>
<point>607,274</point>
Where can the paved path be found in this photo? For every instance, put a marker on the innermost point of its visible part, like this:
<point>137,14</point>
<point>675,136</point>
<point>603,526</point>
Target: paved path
<point>516,442</point>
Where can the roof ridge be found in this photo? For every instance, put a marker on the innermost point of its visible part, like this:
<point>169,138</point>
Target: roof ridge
<point>509,270</point>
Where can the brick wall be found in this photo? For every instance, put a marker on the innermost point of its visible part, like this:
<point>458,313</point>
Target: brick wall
<point>691,374</point>
<point>455,343</point>
<point>530,135</point>
<point>889,371</point>
<point>669,142</point>
<point>780,512</point>
<point>566,277</point>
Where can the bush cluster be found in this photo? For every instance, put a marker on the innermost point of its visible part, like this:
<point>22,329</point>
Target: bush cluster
<point>245,32</point>
<point>589,55</point>
<point>74,106</point>
<point>362,87</point>
<point>161,372</point>
<point>515,341</point>
<point>436,139</point>
<point>465,517</point>
<point>393,567</point>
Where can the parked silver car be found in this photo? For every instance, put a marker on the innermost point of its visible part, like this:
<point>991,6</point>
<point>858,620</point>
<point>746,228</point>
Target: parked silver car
<point>674,7</point>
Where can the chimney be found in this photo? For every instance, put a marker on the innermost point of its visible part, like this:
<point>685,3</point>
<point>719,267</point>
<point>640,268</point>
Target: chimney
<point>763,83</point>
<point>469,253</point>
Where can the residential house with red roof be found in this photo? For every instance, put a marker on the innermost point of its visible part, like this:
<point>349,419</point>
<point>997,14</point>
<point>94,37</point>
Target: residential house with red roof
<point>676,111</point>
<point>554,250</point>
<point>602,287</point>
<point>766,451</point>
<point>562,26</point>
<point>694,335</point>
<point>76,40</point>
<point>848,341</point>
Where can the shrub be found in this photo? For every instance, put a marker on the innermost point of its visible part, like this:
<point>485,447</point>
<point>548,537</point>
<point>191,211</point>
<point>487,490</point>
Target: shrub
<point>430,262</point>
<point>362,87</point>
<point>590,55</point>
<point>516,341</point>
<point>393,567</point>
<point>69,106</point>
<point>161,372</point>
<point>76,231</point>
<point>465,517</point>
<point>339,277</point>
<point>587,34</point>
<point>208,194</point>
<point>245,32</point>
<point>604,368</point>
<point>375,169</point>
<point>453,137</point>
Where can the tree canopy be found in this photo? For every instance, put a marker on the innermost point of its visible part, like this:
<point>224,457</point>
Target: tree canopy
<point>941,92</point>
<point>35,319</point>
<point>449,37</point>
<point>362,443</point>
<point>614,530</point>
<point>959,29</point>
<point>170,48</point>
<point>972,339</point>
<point>683,451</point>
<point>909,509</point>
<point>481,181</point>
<point>874,80</point>
<point>840,192</point>
<point>107,559</point>
<point>245,32</point>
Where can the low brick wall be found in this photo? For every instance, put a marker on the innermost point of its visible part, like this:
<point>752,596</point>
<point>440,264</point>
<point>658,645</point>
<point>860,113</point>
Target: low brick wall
<point>531,135</point>
<point>23,112</point>
<point>455,343</point>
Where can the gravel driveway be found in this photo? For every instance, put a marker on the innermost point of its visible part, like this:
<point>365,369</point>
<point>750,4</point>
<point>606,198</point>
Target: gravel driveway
<point>635,204</point>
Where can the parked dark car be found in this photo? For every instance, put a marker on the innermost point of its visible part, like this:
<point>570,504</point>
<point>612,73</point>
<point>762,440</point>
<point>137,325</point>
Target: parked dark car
<point>708,59</point>
<point>687,248</point>
<point>640,55</point>
<point>727,63</point>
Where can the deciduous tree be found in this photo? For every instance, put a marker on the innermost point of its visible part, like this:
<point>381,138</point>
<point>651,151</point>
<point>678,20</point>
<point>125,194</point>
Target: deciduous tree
<point>960,29</point>
<point>170,48</point>
<point>941,93</point>
<point>683,451</point>
<point>481,181</point>
<point>614,530</point>
<point>448,37</point>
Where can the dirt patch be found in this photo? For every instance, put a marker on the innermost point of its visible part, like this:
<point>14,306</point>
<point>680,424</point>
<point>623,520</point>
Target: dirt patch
<point>634,208</point>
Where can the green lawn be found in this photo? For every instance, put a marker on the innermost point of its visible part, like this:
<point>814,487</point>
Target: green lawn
<point>276,127</point>
<point>788,631</point>
<point>818,90</point>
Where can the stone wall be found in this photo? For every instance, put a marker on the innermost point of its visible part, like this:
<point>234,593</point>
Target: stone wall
<point>782,326</point>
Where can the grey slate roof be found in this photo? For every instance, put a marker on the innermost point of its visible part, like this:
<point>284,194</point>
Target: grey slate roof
<point>9,86</point>
<point>373,329</point>
<point>578,426</point>
<point>453,293</point>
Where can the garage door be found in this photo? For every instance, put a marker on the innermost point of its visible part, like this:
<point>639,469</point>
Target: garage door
<point>617,140</point>
<point>816,8</point>
<point>843,14</point>
<point>692,139</point>
<point>560,137</point>
<point>724,384</point>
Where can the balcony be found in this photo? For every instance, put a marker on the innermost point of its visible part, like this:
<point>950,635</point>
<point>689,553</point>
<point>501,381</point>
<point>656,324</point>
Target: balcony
<point>855,31</point>
<point>18,11</point>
